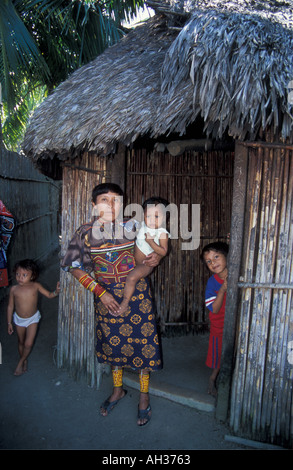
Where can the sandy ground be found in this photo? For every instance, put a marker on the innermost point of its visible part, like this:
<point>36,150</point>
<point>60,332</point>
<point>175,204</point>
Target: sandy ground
<point>46,409</point>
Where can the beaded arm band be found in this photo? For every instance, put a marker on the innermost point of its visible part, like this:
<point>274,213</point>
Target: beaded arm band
<point>89,283</point>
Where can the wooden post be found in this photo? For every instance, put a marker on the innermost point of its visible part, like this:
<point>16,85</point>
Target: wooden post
<point>116,167</point>
<point>234,262</point>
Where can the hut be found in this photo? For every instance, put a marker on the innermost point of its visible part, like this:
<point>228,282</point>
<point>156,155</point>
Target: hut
<point>195,102</point>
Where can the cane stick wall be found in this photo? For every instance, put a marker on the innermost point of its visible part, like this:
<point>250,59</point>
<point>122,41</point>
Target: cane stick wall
<point>195,177</point>
<point>261,405</point>
<point>76,323</point>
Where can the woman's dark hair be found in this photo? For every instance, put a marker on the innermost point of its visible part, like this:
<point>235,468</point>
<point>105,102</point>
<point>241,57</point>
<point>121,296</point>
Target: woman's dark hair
<point>29,265</point>
<point>219,247</point>
<point>104,188</point>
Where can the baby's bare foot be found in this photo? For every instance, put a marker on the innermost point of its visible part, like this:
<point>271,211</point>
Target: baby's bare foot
<point>19,370</point>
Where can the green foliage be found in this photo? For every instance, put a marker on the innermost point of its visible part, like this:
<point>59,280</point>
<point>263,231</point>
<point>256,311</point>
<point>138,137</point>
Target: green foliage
<point>43,41</point>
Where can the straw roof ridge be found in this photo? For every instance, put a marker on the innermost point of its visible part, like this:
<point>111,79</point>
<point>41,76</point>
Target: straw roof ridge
<point>280,11</point>
<point>235,70</point>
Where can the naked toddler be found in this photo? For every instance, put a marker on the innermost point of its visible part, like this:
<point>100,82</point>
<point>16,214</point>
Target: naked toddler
<point>22,307</point>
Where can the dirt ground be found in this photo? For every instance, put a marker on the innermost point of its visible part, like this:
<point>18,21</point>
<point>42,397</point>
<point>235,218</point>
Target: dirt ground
<point>45,409</point>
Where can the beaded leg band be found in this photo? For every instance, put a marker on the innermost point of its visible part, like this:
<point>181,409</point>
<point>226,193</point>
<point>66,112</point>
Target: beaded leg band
<point>144,380</point>
<point>89,283</point>
<point>117,374</point>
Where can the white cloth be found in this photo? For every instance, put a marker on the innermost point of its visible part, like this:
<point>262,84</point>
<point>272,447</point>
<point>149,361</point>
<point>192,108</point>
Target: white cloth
<point>142,244</point>
<point>25,322</point>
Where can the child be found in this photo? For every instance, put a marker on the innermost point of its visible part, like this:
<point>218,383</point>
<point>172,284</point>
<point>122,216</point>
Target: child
<point>215,257</point>
<point>152,237</point>
<point>23,300</point>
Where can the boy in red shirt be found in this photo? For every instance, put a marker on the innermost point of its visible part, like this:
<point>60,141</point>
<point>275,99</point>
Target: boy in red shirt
<point>215,257</point>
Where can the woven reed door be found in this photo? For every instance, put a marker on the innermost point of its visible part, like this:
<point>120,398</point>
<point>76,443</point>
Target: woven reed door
<point>261,405</point>
<point>195,177</point>
<point>76,324</point>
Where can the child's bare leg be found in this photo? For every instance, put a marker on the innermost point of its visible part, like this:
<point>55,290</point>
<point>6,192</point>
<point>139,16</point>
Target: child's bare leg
<point>136,274</point>
<point>21,332</point>
<point>26,337</point>
<point>212,390</point>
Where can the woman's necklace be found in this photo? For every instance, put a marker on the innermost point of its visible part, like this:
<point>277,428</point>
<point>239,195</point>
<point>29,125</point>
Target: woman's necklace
<point>105,231</point>
<point>108,232</point>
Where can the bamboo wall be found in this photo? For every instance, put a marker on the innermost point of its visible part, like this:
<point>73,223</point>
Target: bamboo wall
<point>262,402</point>
<point>204,178</point>
<point>76,324</point>
<point>34,201</point>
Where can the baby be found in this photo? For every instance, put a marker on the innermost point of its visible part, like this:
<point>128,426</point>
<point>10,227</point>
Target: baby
<point>22,305</point>
<point>152,237</point>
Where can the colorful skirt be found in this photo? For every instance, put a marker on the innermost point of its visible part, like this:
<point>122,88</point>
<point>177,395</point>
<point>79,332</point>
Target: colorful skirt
<point>131,339</point>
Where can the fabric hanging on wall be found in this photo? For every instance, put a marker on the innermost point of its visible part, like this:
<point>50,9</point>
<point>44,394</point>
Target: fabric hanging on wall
<point>6,230</point>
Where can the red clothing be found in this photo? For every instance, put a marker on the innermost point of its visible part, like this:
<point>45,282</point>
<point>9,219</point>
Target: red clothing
<point>216,322</point>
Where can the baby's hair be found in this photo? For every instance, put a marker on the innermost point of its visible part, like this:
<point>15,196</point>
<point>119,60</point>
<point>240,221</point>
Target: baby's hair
<point>155,201</point>
<point>29,265</point>
<point>219,247</point>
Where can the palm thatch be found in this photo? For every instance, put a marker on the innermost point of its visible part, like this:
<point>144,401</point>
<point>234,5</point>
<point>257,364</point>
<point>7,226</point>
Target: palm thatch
<point>238,68</point>
<point>275,10</point>
<point>111,99</point>
<point>231,64</point>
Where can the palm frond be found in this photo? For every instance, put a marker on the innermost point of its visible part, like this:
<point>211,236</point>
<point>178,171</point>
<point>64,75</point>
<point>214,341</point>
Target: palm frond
<point>18,52</point>
<point>14,125</point>
<point>44,41</point>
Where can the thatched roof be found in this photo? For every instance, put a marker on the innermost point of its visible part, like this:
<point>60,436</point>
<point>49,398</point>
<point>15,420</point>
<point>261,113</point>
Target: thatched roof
<point>240,65</point>
<point>231,64</point>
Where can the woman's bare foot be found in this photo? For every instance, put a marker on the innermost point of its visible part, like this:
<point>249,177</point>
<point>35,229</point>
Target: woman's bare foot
<point>108,405</point>
<point>144,409</point>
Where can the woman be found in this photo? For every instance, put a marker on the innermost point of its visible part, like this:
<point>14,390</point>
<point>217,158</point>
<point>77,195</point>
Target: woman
<point>130,339</point>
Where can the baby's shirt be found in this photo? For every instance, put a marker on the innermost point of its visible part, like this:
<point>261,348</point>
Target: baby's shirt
<point>141,242</point>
